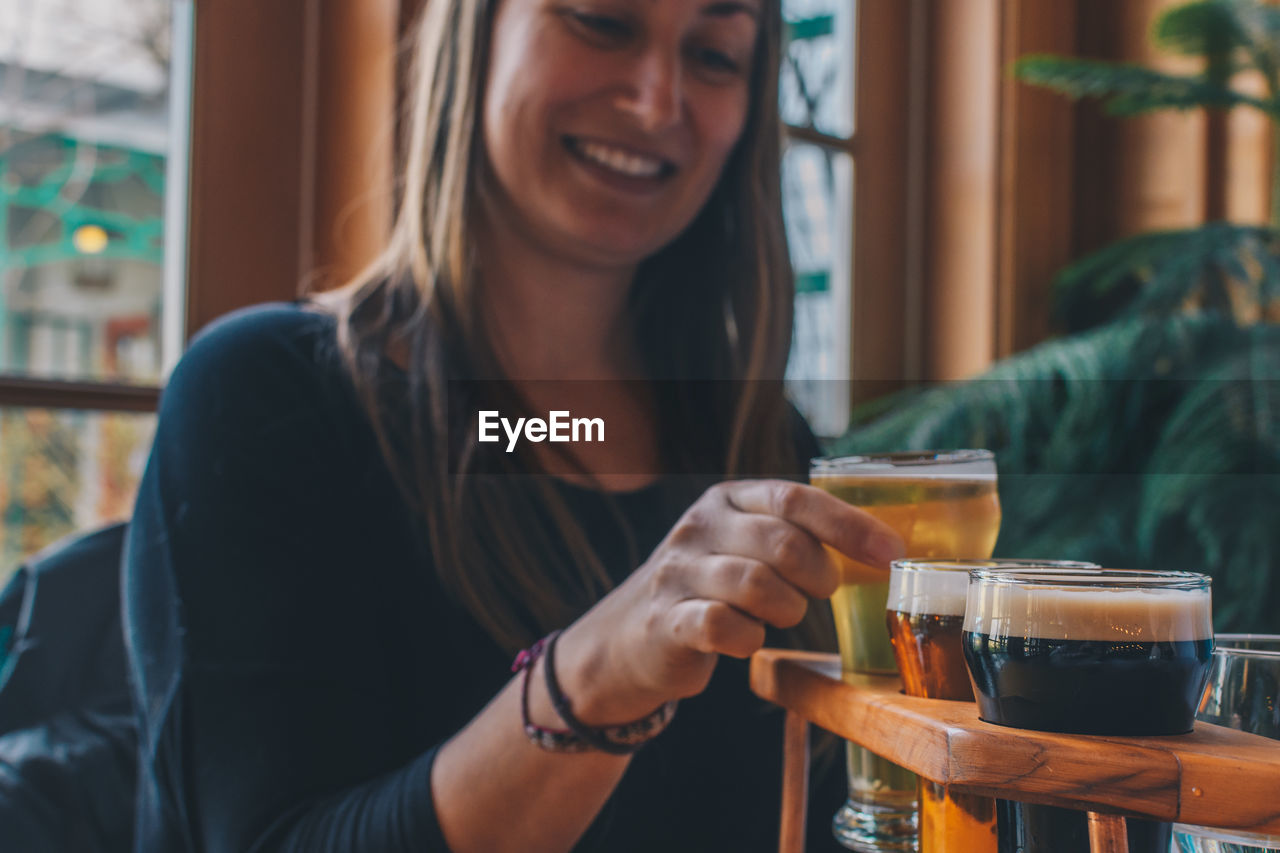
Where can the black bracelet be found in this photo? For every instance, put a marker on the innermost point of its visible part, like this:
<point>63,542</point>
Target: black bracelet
<point>616,740</point>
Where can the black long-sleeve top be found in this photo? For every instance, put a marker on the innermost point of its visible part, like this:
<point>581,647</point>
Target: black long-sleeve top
<point>297,663</point>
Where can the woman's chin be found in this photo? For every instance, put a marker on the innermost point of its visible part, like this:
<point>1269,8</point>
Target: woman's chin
<point>621,245</point>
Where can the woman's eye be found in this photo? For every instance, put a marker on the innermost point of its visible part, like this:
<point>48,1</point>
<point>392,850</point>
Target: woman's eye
<point>602,25</point>
<point>716,60</point>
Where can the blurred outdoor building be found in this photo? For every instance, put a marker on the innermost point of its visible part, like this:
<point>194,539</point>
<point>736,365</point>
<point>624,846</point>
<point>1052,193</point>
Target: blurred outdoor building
<point>85,138</point>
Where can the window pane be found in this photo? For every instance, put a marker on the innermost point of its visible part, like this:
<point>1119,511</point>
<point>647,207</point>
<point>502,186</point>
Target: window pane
<point>65,471</point>
<point>816,86</point>
<point>93,141</point>
<point>817,202</point>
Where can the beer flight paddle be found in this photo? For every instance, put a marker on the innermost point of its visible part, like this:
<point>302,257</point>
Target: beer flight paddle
<point>1214,776</point>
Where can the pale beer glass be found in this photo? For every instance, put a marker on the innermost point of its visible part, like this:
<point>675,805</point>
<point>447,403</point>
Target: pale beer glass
<point>926,617</point>
<point>1244,694</point>
<point>944,505</point>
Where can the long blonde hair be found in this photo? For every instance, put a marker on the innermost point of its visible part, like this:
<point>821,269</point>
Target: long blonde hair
<point>718,299</point>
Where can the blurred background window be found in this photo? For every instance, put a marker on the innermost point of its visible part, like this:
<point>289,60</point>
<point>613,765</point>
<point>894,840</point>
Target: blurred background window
<point>94,99</point>
<point>817,104</point>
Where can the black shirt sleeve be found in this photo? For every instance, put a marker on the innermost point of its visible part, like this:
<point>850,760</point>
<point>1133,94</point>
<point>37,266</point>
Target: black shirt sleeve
<point>251,575</point>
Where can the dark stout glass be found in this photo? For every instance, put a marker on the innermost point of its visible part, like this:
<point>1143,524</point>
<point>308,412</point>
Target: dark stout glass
<point>1098,652</point>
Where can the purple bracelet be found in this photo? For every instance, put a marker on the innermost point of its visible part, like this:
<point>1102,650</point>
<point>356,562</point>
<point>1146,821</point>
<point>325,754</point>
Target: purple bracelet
<point>578,737</point>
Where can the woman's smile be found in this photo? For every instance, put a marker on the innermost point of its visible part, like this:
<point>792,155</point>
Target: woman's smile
<point>620,167</point>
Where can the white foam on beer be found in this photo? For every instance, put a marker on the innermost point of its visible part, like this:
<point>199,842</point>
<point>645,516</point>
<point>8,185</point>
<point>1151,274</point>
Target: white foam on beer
<point>980,471</point>
<point>1093,613</point>
<point>934,592</point>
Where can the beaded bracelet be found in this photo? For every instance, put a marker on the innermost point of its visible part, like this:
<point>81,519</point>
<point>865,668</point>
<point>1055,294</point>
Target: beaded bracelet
<point>579,737</point>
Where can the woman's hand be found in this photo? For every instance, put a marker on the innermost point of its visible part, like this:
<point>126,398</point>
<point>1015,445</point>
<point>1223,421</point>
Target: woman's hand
<point>746,554</point>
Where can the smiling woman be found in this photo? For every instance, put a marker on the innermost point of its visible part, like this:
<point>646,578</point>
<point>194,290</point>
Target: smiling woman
<point>329,571</point>
<point>613,140</point>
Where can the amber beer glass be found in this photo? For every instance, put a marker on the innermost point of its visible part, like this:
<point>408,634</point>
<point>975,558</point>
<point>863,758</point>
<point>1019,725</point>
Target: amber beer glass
<point>944,505</point>
<point>1086,651</point>
<point>926,618</point>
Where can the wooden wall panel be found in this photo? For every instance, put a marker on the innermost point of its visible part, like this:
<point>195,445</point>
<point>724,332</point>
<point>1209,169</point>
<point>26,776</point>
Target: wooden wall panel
<point>878,352</point>
<point>289,146</point>
<point>355,71</point>
<point>1140,173</point>
<point>246,146</point>
<point>1248,159</point>
<point>962,159</point>
<point>1037,176</point>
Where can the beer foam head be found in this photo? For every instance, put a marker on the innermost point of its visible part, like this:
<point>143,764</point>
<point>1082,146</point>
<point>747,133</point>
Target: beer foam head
<point>1059,609</point>
<point>941,587</point>
<point>976,465</point>
<point>934,589</point>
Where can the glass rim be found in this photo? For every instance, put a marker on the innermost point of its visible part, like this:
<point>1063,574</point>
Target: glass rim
<point>1224,643</point>
<point>1003,564</point>
<point>1096,577</point>
<point>1218,833</point>
<point>899,459</point>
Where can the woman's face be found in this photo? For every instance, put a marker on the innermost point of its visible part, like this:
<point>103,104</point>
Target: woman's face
<point>607,122</point>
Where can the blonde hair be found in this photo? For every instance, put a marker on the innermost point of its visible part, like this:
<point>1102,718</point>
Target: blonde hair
<point>719,297</point>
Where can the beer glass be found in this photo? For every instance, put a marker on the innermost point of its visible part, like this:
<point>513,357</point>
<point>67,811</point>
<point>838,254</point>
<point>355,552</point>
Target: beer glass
<point>944,506</point>
<point>926,616</point>
<point>1087,651</point>
<point>1243,693</point>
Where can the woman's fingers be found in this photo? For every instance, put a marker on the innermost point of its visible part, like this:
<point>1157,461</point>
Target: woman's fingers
<point>851,531</point>
<point>715,627</point>
<point>794,552</point>
<point>754,588</point>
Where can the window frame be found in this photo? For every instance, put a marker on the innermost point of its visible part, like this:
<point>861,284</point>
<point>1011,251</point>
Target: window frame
<point>279,156</point>
<point>879,352</point>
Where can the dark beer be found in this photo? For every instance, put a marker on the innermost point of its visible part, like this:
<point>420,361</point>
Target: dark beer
<point>1091,687</point>
<point>1097,652</point>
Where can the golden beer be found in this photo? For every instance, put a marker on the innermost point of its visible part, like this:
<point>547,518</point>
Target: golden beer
<point>944,506</point>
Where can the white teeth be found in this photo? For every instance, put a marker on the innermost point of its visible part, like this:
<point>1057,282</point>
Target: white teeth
<point>632,165</point>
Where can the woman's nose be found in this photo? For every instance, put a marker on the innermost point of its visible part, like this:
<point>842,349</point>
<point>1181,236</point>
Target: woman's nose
<point>655,97</point>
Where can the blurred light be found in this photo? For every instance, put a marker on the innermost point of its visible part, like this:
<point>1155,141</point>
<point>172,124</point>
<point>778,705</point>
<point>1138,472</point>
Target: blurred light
<point>89,239</point>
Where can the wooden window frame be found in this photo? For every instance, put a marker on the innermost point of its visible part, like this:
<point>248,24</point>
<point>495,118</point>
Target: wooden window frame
<point>290,172</point>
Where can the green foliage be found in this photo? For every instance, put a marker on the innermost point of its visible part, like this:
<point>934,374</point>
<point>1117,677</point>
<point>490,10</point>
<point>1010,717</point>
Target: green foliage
<point>1210,28</point>
<point>1231,36</point>
<point>1131,89</point>
<point>1243,34</point>
<point>1145,443</point>
<point>1150,437</point>
<point>1219,266</point>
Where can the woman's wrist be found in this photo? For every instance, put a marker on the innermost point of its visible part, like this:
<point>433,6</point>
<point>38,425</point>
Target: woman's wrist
<point>596,687</point>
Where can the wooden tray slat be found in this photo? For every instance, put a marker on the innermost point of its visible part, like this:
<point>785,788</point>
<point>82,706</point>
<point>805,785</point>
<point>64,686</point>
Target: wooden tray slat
<point>1213,776</point>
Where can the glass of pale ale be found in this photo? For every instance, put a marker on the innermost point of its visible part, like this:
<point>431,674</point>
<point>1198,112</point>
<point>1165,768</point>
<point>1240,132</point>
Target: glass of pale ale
<point>944,505</point>
<point>1244,694</point>
<point>1086,651</point>
<point>926,617</point>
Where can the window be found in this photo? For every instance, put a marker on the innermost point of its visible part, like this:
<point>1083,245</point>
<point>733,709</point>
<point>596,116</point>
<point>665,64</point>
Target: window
<point>817,103</point>
<point>93,137</point>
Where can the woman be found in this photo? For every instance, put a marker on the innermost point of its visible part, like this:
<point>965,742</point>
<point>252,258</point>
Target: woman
<point>328,572</point>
